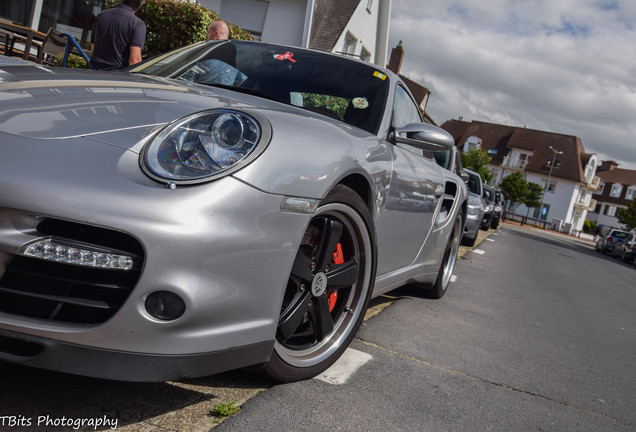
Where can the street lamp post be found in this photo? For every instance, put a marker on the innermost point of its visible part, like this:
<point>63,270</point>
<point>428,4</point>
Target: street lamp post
<point>547,185</point>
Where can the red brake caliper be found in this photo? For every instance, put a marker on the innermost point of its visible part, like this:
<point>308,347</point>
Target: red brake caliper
<point>338,258</point>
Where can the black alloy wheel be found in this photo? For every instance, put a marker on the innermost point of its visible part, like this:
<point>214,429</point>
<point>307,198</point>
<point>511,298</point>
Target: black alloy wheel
<point>328,289</point>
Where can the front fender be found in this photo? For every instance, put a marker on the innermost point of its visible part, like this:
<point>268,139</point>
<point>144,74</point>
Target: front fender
<point>309,154</point>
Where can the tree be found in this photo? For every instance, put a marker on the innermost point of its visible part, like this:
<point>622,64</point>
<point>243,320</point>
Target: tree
<point>477,160</point>
<point>533,198</point>
<point>627,216</point>
<point>515,188</point>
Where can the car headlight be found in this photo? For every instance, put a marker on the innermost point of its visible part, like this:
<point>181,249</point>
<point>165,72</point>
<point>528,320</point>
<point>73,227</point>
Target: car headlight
<point>488,208</point>
<point>473,210</point>
<point>205,146</point>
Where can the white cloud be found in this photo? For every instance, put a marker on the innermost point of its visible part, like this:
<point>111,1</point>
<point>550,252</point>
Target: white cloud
<point>561,66</point>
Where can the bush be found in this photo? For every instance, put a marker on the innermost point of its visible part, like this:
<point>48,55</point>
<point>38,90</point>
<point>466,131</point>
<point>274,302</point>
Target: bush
<point>73,61</point>
<point>589,226</point>
<point>172,24</point>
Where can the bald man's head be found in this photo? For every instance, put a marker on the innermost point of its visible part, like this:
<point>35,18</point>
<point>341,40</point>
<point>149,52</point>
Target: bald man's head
<point>218,30</point>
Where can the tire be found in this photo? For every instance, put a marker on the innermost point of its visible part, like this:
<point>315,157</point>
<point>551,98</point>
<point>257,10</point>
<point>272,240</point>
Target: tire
<point>470,242</point>
<point>326,296</point>
<point>485,225</point>
<point>494,223</point>
<point>438,289</point>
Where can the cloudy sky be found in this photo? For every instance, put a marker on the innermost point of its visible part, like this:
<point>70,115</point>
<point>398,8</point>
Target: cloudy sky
<point>565,66</point>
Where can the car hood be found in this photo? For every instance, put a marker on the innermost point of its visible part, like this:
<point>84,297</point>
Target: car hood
<point>115,108</point>
<point>61,109</point>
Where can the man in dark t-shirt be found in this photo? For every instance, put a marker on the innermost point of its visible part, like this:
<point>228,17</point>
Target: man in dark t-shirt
<point>118,37</point>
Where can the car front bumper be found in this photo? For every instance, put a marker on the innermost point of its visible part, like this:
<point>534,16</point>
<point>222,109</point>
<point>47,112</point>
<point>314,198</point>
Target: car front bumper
<point>225,248</point>
<point>471,226</point>
<point>127,366</point>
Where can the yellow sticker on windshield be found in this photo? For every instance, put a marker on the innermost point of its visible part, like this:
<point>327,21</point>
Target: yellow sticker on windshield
<point>379,75</point>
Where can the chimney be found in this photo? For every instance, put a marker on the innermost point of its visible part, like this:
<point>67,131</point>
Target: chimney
<point>395,62</point>
<point>607,166</point>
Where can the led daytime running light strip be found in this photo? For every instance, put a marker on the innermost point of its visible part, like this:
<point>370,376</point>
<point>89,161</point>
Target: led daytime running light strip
<point>54,250</point>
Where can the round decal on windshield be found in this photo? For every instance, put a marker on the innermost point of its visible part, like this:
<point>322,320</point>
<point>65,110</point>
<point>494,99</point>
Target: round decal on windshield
<point>360,103</point>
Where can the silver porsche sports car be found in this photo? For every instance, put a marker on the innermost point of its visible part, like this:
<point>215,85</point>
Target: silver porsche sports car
<point>224,205</point>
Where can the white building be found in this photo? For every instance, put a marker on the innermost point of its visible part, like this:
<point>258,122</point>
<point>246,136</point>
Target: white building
<point>554,161</point>
<point>358,28</point>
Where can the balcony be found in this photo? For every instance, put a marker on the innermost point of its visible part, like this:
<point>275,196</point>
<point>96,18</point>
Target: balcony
<point>585,204</point>
<point>514,163</point>
<point>595,184</point>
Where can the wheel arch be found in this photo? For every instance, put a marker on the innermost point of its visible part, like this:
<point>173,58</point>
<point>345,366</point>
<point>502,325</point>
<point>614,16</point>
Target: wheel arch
<point>360,185</point>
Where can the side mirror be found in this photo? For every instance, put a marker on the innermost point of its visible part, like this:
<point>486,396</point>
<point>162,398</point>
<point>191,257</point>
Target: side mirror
<point>464,175</point>
<point>424,136</point>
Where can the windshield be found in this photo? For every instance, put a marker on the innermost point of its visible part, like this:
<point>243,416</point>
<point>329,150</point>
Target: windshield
<point>489,194</point>
<point>474,183</point>
<point>620,234</point>
<point>347,90</point>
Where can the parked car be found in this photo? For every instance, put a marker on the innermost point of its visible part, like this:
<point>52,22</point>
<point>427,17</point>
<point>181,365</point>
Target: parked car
<point>227,204</point>
<point>489,213</point>
<point>607,241</point>
<point>497,209</point>
<point>625,249</point>
<point>476,208</point>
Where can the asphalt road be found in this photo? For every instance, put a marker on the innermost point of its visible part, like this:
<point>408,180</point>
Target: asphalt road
<point>538,332</point>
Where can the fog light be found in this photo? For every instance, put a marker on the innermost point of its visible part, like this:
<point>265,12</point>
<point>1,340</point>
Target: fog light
<point>165,305</point>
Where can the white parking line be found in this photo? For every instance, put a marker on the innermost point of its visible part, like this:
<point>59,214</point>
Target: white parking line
<point>479,251</point>
<point>489,239</point>
<point>453,278</point>
<point>344,367</point>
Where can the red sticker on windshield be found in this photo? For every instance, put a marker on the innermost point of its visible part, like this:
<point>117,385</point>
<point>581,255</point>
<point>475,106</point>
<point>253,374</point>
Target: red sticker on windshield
<point>287,56</point>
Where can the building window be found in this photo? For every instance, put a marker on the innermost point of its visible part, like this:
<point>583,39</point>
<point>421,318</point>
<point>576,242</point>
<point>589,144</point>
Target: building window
<point>365,55</point>
<point>18,11</point>
<point>545,209</point>
<point>472,142</point>
<point>590,170</point>
<point>601,187</point>
<point>597,209</point>
<point>369,6</point>
<point>610,210</point>
<point>631,193</point>
<point>350,44</point>
<point>617,188</point>
<point>551,187</point>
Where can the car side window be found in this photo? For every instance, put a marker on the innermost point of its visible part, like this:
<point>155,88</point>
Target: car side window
<point>405,111</point>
